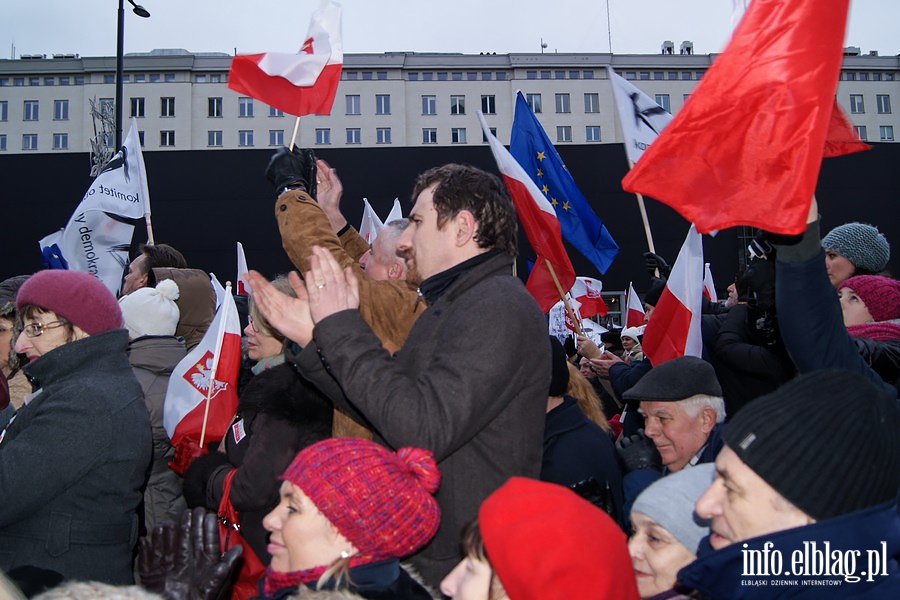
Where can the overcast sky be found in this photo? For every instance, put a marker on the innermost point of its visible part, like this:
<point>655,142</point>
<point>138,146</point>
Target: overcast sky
<point>88,27</point>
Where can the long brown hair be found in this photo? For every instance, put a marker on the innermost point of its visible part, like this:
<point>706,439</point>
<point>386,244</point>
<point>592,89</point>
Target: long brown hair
<point>588,400</point>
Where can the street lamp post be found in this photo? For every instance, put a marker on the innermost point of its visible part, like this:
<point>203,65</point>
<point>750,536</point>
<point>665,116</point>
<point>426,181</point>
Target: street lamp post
<point>120,62</point>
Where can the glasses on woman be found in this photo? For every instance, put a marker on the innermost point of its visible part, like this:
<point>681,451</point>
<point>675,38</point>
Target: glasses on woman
<point>33,330</point>
<point>252,325</point>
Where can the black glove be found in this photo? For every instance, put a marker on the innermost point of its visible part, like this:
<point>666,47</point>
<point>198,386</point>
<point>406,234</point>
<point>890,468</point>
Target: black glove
<point>199,475</point>
<point>656,262</point>
<point>599,495</point>
<point>183,562</point>
<point>293,169</point>
<point>638,452</point>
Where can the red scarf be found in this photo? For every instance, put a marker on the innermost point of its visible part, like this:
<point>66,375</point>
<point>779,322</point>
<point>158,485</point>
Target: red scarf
<point>882,331</point>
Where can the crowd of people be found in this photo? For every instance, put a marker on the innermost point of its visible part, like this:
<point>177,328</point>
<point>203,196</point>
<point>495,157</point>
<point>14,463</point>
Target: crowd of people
<point>407,429</point>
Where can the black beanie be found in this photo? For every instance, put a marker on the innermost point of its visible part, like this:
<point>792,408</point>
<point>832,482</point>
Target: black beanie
<point>828,441</point>
<point>559,380</point>
<point>657,286</point>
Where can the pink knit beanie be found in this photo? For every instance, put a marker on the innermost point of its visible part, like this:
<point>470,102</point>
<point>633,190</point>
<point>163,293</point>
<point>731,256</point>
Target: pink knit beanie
<point>381,501</point>
<point>78,297</point>
<point>881,295</point>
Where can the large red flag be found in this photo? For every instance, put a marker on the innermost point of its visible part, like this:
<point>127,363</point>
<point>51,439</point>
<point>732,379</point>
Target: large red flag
<point>299,84</point>
<point>747,148</point>
<point>674,327</point>
<point>541,227</point>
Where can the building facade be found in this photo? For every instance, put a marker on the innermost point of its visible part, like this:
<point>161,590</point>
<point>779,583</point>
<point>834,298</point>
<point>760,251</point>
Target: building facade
<point>403,99</point>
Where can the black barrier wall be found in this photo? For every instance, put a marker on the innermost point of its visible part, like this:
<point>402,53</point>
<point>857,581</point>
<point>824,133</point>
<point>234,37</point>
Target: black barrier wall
<point>205,201</point>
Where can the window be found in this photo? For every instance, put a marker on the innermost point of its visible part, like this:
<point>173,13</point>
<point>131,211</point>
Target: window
<point>275,112</point>
<point>456,76</point>
<point>139,78</point>
<point>245,107</point>
<point>886,133</point>
<point>427,76</point>
<point>215,78</point>
<point>429,135</point>
<point>215,107</point>
<point>18,81</point>
<point>245,137</point>
<point>109,79</point>
<point>562,103</point>
<point>644,75</point>
<point>493,131</point>
<point>107,106</point>
<point>863,76</point>
<point>856,104</point>
<point>876,76</point>
<point>883,101</point>
<point>458,135</point>
<point>485,75</point>
<point>383,135</point>
<point>63,81</point>
<point>489,105</point>
<point>199,78</point>
<point>108,140</point>
<point>29,141</point>
<point>663,101</point>
<point>559,74</point>
<point>49,81</point>
<point>137,107</point>
<point>352,104</point>
<point>574,74</point>
<point>214,139</point>
<point>167,107</point>
<point>457,105</point>
<point>530,74</point>
<point>170,77</point>
<point>501,75</point>
<point>545,74</point>
<point>276,137</point>
<point>354,135</point>
<point>79,80</point>
<point>367,75</point>
<point>429,105</point>
<point>563,133</point>
<point>534,101</point>
<point>323,136</point>
<point>31,111</point>
<point>861,132</point>
<point>60,141</point>
<point>154,77</point>
<point>684,98</point>
<point>4,110</point>
<point>657,75</point>
<point>382,104</point>
<point>141,138</point>
<point>592,103</point>
<point>686,75</point>
<point>471,76</point>
<point>413,76</point>
<point>2,142</point>
<point>592,133</point>
<point>381,75</point>
<point>351,75</point>
<point>60,110</point>
<point>672,75</point>
<point>167,138</point>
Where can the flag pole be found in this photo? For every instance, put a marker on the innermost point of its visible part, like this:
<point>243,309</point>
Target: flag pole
<point>149,228</point>
<point>220,335</point>
<point>294,134</point>
<point>562,296</point>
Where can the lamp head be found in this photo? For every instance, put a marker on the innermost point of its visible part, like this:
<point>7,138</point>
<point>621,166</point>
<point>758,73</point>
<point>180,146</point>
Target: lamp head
<point>139,10</point>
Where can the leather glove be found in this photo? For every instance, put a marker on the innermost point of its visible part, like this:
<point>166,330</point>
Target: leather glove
<point>638,452</point>
<point>597,494</point>
<point>293,169</point>
<point>184,562</point>
<point>186,451</point>
<point>656,262</point>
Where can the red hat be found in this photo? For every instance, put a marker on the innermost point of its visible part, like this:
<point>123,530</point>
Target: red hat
<point>545,541</point>
<point>381,501</point>
<point>881,295</point>
<point>78,297</point>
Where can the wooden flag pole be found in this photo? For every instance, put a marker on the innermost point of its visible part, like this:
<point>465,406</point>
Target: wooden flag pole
<point>562,296</point>
<point>149,228</point>
<point>220,335</point>
<point>294,134</point>
<point>644,219</point>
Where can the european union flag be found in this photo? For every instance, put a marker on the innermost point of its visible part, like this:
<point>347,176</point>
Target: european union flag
<point>580,226</point>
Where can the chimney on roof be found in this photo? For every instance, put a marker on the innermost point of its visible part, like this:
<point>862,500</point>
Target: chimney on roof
<point>668,47</point>
<point>687,47</point>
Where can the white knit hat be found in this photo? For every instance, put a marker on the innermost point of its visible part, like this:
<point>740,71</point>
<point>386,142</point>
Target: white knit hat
<point>151,311</point>
<point>634,333</point>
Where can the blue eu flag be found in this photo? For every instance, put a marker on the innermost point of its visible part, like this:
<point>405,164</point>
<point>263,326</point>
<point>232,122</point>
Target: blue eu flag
<point>580,226</point>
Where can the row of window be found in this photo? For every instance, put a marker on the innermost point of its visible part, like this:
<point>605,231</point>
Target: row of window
<point>885,133</point>
<point>867,76</point>
<point>882,104</point>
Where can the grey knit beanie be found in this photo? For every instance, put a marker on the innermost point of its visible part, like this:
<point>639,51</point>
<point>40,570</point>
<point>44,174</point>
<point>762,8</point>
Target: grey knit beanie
<point>670,502</point>
<point>827,441</point>
<point>861,244</point>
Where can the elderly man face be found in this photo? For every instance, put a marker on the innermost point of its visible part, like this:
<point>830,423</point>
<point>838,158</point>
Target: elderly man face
<point>678,429</point>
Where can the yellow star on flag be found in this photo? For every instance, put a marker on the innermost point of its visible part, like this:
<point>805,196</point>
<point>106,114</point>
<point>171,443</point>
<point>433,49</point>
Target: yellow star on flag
<point>541,156</point>
<point>554,201</point>
<point>545,189</point>
<point>540,173</point>
<point>566,205</point>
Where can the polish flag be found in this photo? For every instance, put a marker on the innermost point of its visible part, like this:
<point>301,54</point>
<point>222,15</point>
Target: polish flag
<point>541,226</point>
<point>634,310</point>
<point>371,225</point>
<point>243,283</point>
<point>674,327</point>
<point>587,292</point>
<point>299,84</point>
<point>202,395</point>
<point>709,288</point>
<point>396,212</point>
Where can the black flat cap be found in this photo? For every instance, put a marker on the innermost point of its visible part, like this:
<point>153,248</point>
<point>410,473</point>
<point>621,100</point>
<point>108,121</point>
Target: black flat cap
<point>675,380</point>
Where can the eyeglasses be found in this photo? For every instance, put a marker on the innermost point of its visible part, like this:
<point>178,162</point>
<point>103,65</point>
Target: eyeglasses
<point>33,330</point>
<point>252,325</point>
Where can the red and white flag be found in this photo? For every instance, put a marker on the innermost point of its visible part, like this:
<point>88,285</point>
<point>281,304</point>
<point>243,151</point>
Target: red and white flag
<point>634,310</point>
<point>674,327</point>
<point>709,288</point>
<point>208,374</point>
<point>396,212</point>
<point>299,84</point>
<point>586,291</point>
<point>540,224</point>
<point>370,225</point>
<point>243,283</point>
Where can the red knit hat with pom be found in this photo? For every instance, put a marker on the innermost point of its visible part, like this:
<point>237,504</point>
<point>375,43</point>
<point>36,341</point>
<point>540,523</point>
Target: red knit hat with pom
<point>381,501</point>
<point>78,297</point>
<point>545,541</point>
<point>881,295</point>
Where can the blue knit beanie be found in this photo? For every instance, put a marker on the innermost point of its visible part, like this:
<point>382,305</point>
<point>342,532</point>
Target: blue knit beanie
<point>861,244</point>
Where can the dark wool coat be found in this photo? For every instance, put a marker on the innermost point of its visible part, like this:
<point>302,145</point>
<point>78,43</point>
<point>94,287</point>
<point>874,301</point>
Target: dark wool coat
<point>383,580</point>
<point>72,464</point>
<point>278,415</point>
<point>470,384</point>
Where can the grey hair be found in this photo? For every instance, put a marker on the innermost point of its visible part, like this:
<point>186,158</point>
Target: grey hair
<point>391,231</point>
<point>693,405</point>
